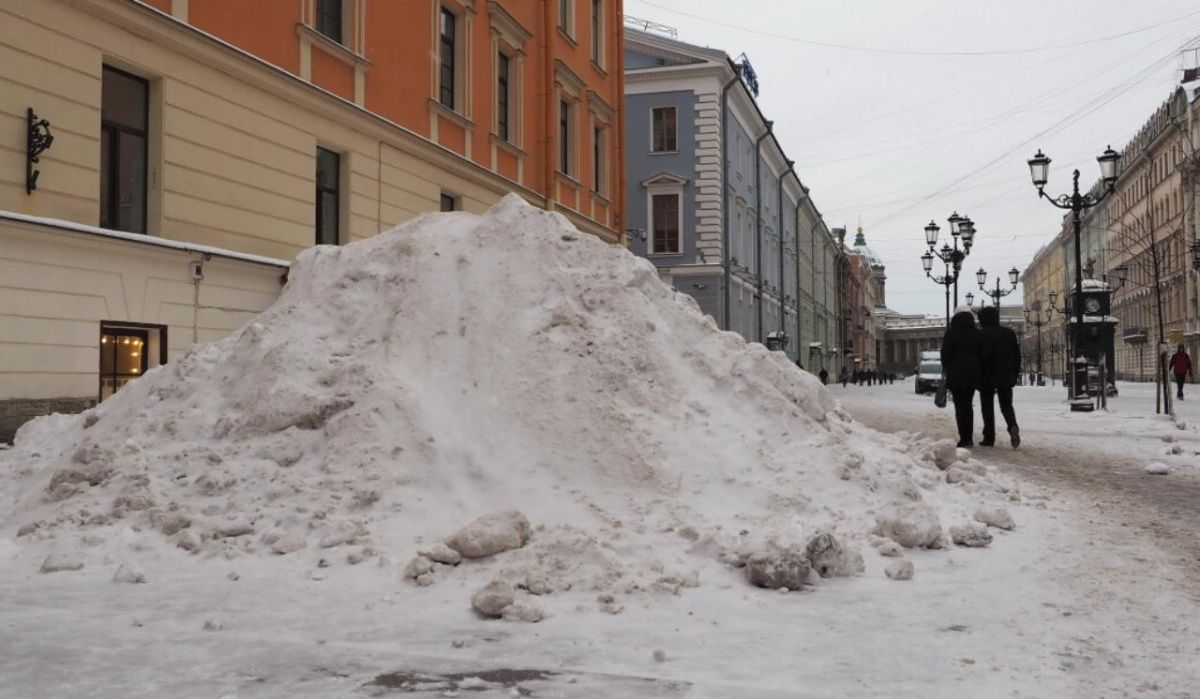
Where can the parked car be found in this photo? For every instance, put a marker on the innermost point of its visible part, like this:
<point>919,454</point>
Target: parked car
<point>928,374</point>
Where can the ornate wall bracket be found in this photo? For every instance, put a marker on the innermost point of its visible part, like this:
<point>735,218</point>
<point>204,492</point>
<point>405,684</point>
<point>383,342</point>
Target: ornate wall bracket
<point>38,140</point>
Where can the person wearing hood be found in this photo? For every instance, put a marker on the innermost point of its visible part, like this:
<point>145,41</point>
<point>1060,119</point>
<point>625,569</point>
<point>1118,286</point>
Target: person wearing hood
<point>1001,367</point>
<point>961,360</point>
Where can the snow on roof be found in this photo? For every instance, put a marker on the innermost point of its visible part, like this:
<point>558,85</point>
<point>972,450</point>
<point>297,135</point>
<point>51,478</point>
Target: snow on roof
<point>1095,285</point>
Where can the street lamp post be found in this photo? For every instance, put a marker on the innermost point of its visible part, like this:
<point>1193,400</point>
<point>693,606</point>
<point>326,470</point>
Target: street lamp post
<point>1014,275</point>
<point>1032,318</point>
<point>949,279</point>
<point>960,226</point>
<point>1076,203</point>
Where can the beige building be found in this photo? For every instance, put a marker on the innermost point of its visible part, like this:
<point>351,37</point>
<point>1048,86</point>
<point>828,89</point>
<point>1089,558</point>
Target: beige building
<point>1150,221</point>
<point>226,164</point>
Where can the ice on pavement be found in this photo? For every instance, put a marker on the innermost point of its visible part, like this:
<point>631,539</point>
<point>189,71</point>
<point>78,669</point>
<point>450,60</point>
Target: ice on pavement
<point>462,365</point>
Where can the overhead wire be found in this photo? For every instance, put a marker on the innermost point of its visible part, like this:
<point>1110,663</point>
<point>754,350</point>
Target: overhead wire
<point>911,52</point>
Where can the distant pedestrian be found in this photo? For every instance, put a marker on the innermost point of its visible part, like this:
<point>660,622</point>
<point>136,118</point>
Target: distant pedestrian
<point>844,376</point>
<point>961,362</point>
<point>1181,366</point>
<point>824,376</point>
<point>1001,367</point>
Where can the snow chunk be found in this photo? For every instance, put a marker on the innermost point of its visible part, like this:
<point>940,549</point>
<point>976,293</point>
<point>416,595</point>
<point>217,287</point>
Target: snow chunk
<point>492,600</point>
<point>974,535</point>
<point>830,558</point>
<point>58,562</point>
<point>523,610</point>
<point>491,534</point>
<point>910,524</point>
<point>997,517</point>
<point>442,554</point>
<point>129,573</point>
<point>1158,468</point>
<point>778,568</point>
<point>945,453</point>
<point>290,542</point>
<point>899,570</point>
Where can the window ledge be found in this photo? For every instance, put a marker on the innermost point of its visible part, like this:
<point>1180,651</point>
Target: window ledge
<point>566,35</point>
<point>508,145</point>
<point>663,152</point>
<point>330,46</point>
<point>599,68</point>
<point>451,114</point>
<point>599,196</point>
<point>569,180</point>
<point>664,254</point>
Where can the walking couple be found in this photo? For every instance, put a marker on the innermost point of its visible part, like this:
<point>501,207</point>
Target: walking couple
<point>985,359</point>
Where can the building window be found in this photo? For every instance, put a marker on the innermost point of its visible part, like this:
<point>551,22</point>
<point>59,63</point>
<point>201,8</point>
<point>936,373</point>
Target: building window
<point>329,169</point>
<point>448,202</point>
<point>664,137</point>
<point>598,32</point>
<point>564,137</point>
<point>566,18</point>
<point>664,224</point>
<point>128,351</point>
<point>598,164</point>
<point>446,60</point>
<point>329,19</point>
<point>125,105</point>
<point>502,77</point>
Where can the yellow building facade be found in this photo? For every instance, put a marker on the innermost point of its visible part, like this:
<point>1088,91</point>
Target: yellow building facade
<point>229,148</point>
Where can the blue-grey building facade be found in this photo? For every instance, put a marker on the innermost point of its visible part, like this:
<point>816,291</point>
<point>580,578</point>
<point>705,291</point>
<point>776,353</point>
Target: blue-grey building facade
<point>747,242</point>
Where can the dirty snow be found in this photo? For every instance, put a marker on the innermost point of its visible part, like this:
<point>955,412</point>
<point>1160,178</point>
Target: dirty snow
<point>626,456</point>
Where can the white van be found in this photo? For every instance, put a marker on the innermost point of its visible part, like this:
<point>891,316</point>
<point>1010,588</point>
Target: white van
<point>929,371</point>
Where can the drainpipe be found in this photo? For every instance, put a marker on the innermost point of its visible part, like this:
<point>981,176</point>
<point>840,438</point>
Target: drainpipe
<point>782,306</point>
<point>549,123</point>
<point>725,190</point>
<point>758,222</point>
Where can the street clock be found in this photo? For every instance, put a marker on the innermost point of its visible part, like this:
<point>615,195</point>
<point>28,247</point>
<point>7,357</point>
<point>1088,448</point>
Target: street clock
<point>1091,305</point>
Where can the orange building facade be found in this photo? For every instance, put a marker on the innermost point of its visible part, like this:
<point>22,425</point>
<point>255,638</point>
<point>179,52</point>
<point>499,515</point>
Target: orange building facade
<point>532,90</point>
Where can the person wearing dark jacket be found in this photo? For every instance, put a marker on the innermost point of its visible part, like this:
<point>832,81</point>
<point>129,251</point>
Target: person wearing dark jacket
<point>1001,366</point>
<point>961,362</point>
<point>1181,366</point>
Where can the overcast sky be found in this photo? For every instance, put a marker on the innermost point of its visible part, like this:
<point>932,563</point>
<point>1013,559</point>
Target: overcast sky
<point>895,139</point>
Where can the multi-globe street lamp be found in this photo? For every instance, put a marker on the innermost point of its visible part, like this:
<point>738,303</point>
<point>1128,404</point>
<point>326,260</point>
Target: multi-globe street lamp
<point>1039,321</point>
<point>960,227</point>
<point>949,279</point>
<point>1014,275</point>
<point>1076,203</point>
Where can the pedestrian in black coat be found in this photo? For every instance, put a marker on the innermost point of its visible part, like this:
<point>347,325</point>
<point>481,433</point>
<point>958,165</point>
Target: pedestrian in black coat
<point>961,360</point>
<point>1001,367</point>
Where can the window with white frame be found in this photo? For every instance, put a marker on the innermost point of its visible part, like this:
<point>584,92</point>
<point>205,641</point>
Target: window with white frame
<point>566,17</point>
<point>664,130</point>
<point>665,214</point>
<point>503,94</point>
<point>448,63</point>
<point>566,137</point>
<point>598,32</point>
<point>599,168</point>
<point>508,44</point>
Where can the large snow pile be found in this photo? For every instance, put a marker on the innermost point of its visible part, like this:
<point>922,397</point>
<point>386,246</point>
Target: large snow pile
<point>464,365</point>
